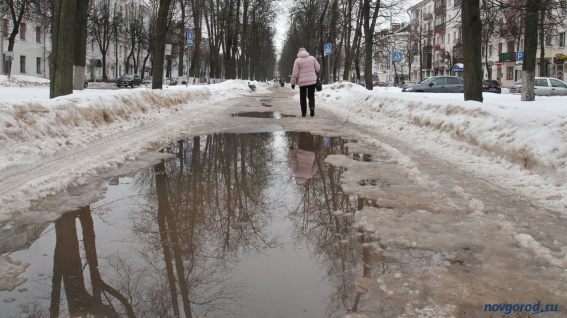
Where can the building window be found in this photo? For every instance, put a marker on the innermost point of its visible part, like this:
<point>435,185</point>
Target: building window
<point>38,34</point>
<point>22,64</point>
<point>510,46</point>
<point>38,65</point>
<point>482,52</point>
<point>449,38</point>
<point>443,39</point>
<point>500,48</point>
<point>454,37</point>
<point>22,31</point>
<point>5,27</point>
<point>548,39</point>
<point>510,73</point>
<point>562,39</point>
<point>490,49</point>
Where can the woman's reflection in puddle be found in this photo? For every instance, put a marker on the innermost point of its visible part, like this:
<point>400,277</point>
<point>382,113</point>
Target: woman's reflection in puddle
<point>303,162</point>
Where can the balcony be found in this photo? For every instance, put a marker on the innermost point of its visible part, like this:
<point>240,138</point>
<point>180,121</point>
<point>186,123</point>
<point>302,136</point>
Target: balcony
<point>439,47</point>
<point>440,28</point>
<point>427,49</point>
<point>507,57</point>
<point>428,16</point>
<point>429,33</point>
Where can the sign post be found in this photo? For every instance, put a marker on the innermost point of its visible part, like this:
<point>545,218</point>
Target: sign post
<point>328,51</point>
<point>189,45</point>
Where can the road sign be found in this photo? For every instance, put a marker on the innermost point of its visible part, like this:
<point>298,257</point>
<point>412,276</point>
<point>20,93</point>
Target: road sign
<point>189,38</point>
<point>168,49</point>
<point>328,49</point>
<point>519,56</point>
<point>397,57</point>
<point>326,141</point>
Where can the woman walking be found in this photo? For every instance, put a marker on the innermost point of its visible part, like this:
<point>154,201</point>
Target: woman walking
<point>305,70</point>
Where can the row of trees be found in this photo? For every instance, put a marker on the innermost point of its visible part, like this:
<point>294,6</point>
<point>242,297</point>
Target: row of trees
<point>232,38</point>
<point>350,26</point>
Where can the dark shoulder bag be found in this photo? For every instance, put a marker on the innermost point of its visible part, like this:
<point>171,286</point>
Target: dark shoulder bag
<point>318,84</point>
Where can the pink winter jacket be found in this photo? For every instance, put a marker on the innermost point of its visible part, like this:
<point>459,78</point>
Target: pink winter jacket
<point>305,69</point>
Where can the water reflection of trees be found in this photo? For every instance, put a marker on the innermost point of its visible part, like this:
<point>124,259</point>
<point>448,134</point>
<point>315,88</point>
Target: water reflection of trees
<point>209,206</point>
<point>331,236</point>
<point>68,272</point>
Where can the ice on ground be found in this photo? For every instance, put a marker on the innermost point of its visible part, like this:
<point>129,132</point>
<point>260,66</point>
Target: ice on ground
<point>9,272</point>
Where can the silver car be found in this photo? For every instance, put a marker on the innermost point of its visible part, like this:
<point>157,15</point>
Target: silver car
<point>439,84</point>
<point>543,86</point>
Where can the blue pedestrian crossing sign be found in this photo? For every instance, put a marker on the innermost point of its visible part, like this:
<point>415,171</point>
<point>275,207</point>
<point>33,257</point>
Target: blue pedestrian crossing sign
<point>188,156</point>
<point>189,38</point>
<point>397,57</point>
<point>328,49</point>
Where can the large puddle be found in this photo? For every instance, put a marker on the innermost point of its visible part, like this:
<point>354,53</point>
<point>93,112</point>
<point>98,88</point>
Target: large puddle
<point>234,225</point>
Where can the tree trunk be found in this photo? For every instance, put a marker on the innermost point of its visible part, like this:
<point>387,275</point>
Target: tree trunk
<point>470,15</point>
<point>159,44</point>
<point>81,44</point>
<point>63,48</point>
<point>542,63</point>
<point>530,50</point>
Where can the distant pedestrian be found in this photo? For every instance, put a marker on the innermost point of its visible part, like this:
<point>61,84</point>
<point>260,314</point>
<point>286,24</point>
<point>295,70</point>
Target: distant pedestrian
<point>305,72</point>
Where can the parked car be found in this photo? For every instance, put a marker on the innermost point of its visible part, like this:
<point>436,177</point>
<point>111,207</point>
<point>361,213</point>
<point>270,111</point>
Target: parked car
<point>129,80</point>
<point>379,84</point>
<point>491,86</point>
<point>148,80</point>
<point>543,86</point>
<point>407,84</point>
<point>173,81</point>
<point>439,84</point>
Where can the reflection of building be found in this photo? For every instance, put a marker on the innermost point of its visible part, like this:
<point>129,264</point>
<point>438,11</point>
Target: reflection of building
<point>20,236</point>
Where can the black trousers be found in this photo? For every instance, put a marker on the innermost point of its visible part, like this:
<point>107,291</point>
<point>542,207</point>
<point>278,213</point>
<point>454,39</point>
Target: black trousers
<point>307,92</point>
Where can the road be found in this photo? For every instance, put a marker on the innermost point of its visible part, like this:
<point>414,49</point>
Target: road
<point>438,241</point>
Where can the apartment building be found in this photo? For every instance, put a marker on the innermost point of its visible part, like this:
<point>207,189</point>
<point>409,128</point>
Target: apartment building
<point>30,55</point>
<point>32,46</point>
<point>436,41</point>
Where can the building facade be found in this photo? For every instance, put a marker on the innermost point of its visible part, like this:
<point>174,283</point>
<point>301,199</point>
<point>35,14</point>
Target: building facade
<point>436,41</point>
<point>32,47</point>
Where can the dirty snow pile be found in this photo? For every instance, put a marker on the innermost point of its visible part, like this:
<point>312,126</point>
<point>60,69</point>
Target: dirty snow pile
<point>37,129</point>
<point>528,139</point>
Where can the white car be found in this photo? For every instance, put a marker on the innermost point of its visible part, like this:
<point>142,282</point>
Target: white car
<point>543,86</point>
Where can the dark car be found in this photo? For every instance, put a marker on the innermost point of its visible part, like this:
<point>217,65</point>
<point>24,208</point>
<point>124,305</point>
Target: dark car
<point>129,80</point>
<point>439,84</point>
<point>491,86</point>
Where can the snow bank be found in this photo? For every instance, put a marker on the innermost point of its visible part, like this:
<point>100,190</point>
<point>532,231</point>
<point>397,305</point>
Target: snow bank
<point>43,127</point>
<point>37,131</point>
<point>530,134</point>
<point>23,81</point>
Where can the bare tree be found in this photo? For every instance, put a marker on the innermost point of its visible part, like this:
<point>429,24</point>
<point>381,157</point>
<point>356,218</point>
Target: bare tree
<point>104,24</point>
<point>470,16</point>
<point>159,43</point>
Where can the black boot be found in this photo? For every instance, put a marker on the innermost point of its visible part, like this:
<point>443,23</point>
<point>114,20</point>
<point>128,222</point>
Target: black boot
<point>312,111</point>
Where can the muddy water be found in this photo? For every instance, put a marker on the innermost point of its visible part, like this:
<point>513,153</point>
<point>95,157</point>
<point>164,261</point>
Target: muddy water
<point>233,225</point>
